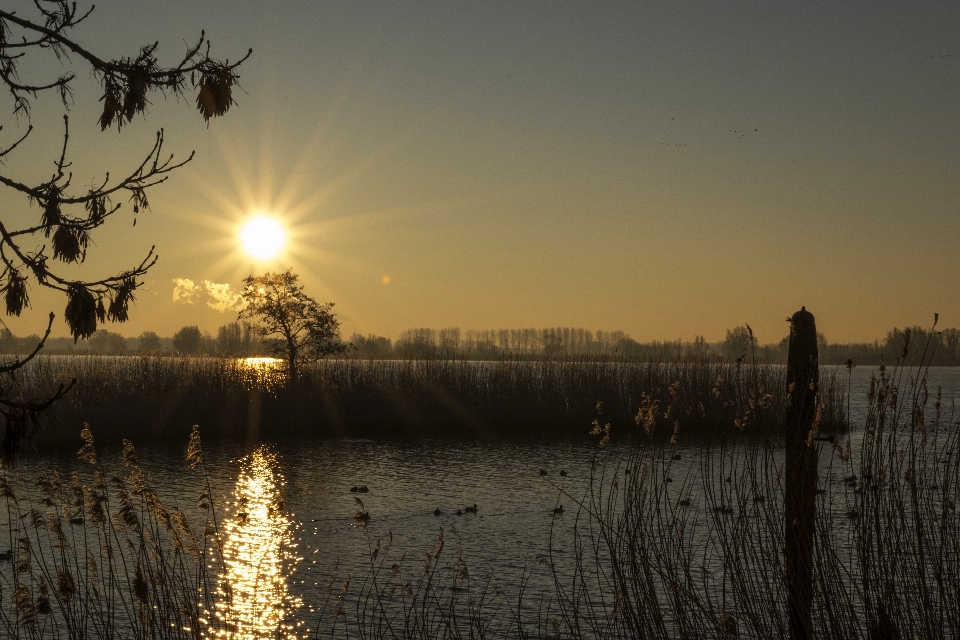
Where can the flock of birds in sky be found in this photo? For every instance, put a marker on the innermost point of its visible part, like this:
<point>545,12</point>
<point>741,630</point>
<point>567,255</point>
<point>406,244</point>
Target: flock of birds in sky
<point>739,134</point>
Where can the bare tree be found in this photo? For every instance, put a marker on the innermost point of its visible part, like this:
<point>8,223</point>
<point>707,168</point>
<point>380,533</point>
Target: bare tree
<point>296,327</point>
<point>230,339</point>
<point>69,215</point>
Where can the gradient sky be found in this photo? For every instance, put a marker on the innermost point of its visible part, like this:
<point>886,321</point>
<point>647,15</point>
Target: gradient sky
<point>664,168</point>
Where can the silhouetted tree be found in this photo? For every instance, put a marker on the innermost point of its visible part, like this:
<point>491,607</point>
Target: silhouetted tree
<point>372,346</point>
<point>188,340</point>
<point>698,350</point>
<point>126,83</point>
<point>449,341</point>
<point>738,343</point>
<point>106,342</point>
<point>295,327</point>
<point>417,343</point>
<point>229,339</point>
<point>149,342</point>
<point>235,339</point>
<point>8,341</point>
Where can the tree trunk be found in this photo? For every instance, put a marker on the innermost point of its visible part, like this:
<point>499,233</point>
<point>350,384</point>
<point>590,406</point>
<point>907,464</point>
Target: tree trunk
<point>292,362</point>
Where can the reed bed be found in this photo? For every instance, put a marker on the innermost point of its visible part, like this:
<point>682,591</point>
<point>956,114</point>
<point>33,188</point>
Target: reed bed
<point>160,398</point>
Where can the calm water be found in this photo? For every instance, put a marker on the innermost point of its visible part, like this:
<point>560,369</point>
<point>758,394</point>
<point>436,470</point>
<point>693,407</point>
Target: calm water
<point>288,510</point>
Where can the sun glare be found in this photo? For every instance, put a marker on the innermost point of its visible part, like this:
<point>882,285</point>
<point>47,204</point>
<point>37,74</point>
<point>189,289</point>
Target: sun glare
<point>262,237</point>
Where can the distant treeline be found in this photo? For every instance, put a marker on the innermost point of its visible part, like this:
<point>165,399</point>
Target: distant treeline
<point>237,340</point>
<point>233,339</point>
<point>576,343</point>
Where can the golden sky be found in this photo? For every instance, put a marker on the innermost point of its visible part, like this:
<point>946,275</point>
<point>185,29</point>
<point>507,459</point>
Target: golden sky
<point>667,169</point>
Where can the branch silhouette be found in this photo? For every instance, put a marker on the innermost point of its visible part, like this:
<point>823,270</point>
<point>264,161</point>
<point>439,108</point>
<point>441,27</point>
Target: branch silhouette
<point>42,253</point>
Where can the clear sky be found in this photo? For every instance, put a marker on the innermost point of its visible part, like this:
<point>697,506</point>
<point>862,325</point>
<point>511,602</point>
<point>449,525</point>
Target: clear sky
<point>664,168</point>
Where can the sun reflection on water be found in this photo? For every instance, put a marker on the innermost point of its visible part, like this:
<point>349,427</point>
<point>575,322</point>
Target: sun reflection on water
<point>254,600</point>
<point>264,373</point>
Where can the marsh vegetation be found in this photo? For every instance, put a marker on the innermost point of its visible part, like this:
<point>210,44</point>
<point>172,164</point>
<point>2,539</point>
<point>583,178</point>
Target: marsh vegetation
<point>249,399</point>
<point>687,544</point>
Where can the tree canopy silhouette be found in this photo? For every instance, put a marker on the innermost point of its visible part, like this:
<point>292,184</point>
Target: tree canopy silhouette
<point>69,215</point>
<point>295,326</point>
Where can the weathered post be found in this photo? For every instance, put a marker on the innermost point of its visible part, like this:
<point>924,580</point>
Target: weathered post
<point>799,494</point>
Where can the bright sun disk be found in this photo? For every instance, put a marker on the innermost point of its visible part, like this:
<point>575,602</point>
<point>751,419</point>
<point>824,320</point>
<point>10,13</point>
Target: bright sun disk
<point>262,237</point>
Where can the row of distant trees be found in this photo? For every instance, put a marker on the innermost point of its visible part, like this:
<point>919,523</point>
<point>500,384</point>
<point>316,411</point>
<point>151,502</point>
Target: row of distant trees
<point>568,342</point>
<point>237,339</point>
<point>234,339</point>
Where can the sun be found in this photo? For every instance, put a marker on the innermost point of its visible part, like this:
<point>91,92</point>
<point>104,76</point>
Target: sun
<point>262,237</point>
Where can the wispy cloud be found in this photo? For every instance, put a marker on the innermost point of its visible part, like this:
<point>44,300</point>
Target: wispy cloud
<point>223,299</point>
<point>185,290</point>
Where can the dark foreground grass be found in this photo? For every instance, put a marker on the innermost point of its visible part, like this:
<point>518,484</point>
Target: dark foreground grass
<point>157,398</point>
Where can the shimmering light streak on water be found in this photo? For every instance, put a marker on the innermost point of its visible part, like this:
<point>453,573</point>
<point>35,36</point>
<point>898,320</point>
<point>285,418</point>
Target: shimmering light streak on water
<point>262,373</point>
<point>254,600</point>
<point>261,363</point>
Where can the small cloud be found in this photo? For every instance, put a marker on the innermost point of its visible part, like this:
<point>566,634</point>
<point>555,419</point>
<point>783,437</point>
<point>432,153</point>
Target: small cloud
<point>185,290</point>
<point>223,298</point>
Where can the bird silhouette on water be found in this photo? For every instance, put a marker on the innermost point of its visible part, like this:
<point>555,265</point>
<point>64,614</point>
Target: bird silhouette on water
<point>437,512</point>
<point>558,509</point>
<point>6,556</point>
<point>472,509</point>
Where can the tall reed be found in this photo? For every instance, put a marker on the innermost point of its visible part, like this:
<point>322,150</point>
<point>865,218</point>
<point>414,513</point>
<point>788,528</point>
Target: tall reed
<point>651,562</point>
<point>93,556</point>
<point>161,397</point>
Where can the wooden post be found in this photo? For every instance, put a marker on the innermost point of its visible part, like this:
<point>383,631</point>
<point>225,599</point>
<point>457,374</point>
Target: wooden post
<point>799,494</point>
